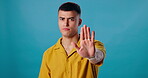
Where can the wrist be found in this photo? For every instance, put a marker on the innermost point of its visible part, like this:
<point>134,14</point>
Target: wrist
<point>97,57</point>
<point>91,58</point>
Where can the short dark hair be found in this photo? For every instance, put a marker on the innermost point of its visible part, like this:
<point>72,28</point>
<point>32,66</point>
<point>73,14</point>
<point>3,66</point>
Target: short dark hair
<point>70,6</point>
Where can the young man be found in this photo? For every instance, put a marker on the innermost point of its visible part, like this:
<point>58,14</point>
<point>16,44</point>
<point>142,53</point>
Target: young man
<point>74,55</point>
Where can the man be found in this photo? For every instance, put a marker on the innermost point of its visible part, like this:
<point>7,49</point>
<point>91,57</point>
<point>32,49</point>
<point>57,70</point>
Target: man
<point>74,55</point>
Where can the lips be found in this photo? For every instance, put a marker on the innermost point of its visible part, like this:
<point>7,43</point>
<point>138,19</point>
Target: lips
<point>66,29</point>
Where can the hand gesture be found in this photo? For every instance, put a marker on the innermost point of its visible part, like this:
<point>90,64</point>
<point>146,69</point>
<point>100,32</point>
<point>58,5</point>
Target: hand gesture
<point>87,47</point>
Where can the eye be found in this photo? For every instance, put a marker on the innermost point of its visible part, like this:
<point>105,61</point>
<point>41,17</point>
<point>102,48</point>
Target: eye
<point>72,19</point>
<point>61,18</point>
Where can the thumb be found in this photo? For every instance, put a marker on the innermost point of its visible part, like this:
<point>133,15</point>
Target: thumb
<point>75,46</point>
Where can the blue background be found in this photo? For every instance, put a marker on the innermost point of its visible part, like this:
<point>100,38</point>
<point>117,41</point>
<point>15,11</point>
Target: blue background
<point>29,27</point>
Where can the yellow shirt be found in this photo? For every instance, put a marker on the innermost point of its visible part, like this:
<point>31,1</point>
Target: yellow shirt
<point>57,64</point>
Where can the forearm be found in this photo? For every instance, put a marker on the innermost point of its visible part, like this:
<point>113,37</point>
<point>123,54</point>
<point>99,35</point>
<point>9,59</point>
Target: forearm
<point>98,57</point>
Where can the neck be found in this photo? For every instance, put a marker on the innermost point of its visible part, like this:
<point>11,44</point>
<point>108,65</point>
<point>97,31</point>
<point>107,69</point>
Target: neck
<point>66,42</point>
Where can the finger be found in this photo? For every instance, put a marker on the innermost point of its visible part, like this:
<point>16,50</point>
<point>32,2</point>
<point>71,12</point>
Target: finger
<point>85,32</point>
<point>82,34</point>
<point>92,35</point>
<point>75,46</point>
<point>88,33</point>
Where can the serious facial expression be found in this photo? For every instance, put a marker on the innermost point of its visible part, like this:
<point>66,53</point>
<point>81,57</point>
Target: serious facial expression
<point>68,22</point>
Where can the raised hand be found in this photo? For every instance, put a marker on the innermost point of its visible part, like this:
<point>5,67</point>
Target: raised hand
<point>87,47</point>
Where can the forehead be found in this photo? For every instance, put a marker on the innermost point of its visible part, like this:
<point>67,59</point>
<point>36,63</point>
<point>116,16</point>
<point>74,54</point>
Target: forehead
<point>67,13</point>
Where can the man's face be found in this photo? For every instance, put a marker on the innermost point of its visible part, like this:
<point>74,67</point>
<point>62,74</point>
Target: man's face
<point>68,22</point>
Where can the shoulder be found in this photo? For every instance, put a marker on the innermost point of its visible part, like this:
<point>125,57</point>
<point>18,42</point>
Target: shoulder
<point>50,50</point>
<point>53,47</point>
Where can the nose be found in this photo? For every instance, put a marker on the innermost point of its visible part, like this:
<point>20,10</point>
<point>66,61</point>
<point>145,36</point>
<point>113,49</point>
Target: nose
<point>66,22</point>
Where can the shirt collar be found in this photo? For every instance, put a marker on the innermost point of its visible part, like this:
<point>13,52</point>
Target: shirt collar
<point>59,45</point>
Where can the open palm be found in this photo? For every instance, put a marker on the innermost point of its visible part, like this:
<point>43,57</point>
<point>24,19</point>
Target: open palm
<point>87,48</point>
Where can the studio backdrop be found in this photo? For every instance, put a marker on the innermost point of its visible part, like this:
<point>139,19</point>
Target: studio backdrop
<point>29,27</point>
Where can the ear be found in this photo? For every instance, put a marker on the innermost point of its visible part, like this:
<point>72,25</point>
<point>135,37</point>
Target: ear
<point>80,22</point>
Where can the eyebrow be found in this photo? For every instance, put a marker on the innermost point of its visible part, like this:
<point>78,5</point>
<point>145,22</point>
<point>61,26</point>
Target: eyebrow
<point>71,17</point>
<point>68,18</point>
<point>61,17</point>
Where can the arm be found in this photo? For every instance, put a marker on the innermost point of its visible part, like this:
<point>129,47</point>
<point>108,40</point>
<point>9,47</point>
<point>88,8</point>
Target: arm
<point>98,57</point>
<point>88,48</point>
<point>44,70</point>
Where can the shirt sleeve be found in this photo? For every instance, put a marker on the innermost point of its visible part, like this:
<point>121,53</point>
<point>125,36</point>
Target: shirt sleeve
<point>44,70</point>
<point>100,46</point>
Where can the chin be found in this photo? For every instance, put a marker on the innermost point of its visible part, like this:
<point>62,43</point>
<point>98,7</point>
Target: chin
<point>66,35</point>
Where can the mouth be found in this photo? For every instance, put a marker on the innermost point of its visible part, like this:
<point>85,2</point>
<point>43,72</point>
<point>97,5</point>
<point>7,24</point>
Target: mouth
<point>66,29</point>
